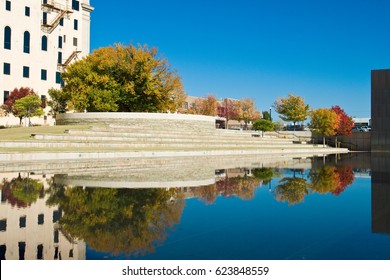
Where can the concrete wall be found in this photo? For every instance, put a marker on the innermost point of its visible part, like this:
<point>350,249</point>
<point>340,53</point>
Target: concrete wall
<point>380,110</point>
<point>141,120</point>
<point>358,141</point>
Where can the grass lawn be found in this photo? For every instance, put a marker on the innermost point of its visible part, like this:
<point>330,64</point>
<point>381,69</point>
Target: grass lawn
<point>23,133</point>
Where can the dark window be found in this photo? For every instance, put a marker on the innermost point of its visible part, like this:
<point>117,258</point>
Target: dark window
<point>41,219</point>
<point>43,74</point>
<point>3,225</point>
<point>22,222</point>
<point>27,11</point>
<point>8,5</point>
<point>44,18</point>
<point>60,42</point>
<point>56,236</point>
<point>75,5</point>
<point>6,94</point>
<point>58,78</point>
<point>26,72</point>
<point>22,250</point>
<point>7,38</point>
<point>71,253</point>
<point>56,253</point>
<point>3,250</point>
<point>43,101</point>
<point>75,24</point>
<point>59,58</point>
<point>40,252</point>
<point>62,22</point>
<point>57,215</point>
<point>7,69</point>
<point>44,43</point>
<point>74,42</point>
<point>26,42</point>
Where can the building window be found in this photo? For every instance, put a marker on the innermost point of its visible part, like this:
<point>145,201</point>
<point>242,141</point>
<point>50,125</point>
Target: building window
<point>40,252</point>
<point>74,42</point>
<point>56,253</point>
<point>27,11</point>
<point>3,250</point>
<point>6,94</point>
<point>44,43</point>
<point>58,78</point>
<point>22,250</point>
<point>22,222</point>
<point>3,225</point>
<point>59,58</point>
<point>7,69</point>
<point>43,101</point>
<point>7,38</point>
<point>75,24</point>
<point>26,42</point>
<point>71,253</point>
<point>57,215</point>
<point>60,42</point>
<point>62,22</point>
<point>41,219</point>
<point>75,5</point>
<point>43,74</point>
<point>8,5</point>
<point>26,72</point>
<point>56,236</point>
<point>44,18</point>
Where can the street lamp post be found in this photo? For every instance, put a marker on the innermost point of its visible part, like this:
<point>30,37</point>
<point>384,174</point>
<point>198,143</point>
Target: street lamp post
<point>270,116</point>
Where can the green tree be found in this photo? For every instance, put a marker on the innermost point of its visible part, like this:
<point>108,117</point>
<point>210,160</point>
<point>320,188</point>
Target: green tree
<point>292,108</point>
<point>324,122</point>
<point>28,107</point>
<point>58,102</point>
<point>279,125</point>
<point>266,115</point>
<point>123,78</point>
<point>264,174</point>
<point>247,111</point>
<point>263,125</point>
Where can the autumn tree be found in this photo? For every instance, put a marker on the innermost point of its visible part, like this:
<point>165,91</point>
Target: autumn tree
<point>21,191</point>
<point>9,103</point>
<point>229,110</point>
<point>324,122</point>
<point>324,179</point>
<point>247,111</point>
<point>205,106</point>
<point>28,107</point>
<point>346,178</point>
<point>345,122</point>
<point>292,109</point>
<point>123,78</point>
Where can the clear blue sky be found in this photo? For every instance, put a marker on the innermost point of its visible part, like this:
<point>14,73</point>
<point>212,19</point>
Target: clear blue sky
<point>321,50</point>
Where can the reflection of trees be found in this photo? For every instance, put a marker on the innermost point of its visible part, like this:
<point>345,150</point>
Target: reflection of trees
<point>292,190</point>
<point>263,174</point>
<point>333,179</point>
<point>130,221</point>
<point>241,186</point>
<point>21,192</point>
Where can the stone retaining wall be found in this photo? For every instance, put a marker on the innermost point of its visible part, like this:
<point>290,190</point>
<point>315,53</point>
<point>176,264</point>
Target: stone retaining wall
<point>141,120</point>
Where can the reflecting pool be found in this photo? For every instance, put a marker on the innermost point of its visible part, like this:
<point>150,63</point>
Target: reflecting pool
<point>329,207</point>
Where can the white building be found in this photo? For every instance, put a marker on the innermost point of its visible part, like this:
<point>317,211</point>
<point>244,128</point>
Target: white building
<point>38,39</point>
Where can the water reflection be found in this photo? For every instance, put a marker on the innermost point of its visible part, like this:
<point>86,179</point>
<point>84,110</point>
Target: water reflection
<point>53,217</point>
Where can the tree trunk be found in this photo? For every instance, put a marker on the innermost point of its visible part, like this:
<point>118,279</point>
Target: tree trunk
<point>337,144</point>
<point>294,126</point>
<point>323,141</point>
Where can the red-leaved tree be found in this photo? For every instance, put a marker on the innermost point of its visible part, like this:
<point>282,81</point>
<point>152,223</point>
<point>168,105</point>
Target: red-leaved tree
<point>16,94</point>
<point>345,122</point>
<point>229,110</point>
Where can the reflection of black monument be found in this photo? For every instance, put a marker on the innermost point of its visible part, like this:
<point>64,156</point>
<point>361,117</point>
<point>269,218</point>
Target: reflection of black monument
<point>380,110</point>
<point>380,193</point>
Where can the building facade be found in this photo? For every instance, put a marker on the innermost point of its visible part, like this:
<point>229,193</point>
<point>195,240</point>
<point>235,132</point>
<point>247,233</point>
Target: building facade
<point>38,39</point>
<point>380,110</point>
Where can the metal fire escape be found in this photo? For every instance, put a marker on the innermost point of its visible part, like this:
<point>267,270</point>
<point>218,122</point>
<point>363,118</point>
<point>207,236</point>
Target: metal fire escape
<point>52,6</point>
<point>62,66</point>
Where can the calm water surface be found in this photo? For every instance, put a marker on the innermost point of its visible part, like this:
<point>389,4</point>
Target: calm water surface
<point>315,208</point>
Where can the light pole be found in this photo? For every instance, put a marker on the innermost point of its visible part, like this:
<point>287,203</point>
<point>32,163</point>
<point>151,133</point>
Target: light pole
<point>270,116</point>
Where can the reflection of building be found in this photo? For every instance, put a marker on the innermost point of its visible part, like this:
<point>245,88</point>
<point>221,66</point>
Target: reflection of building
<point>33,232</point>
<point>38,39</point>
<point>380,110</point>
<point>380,193</point>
